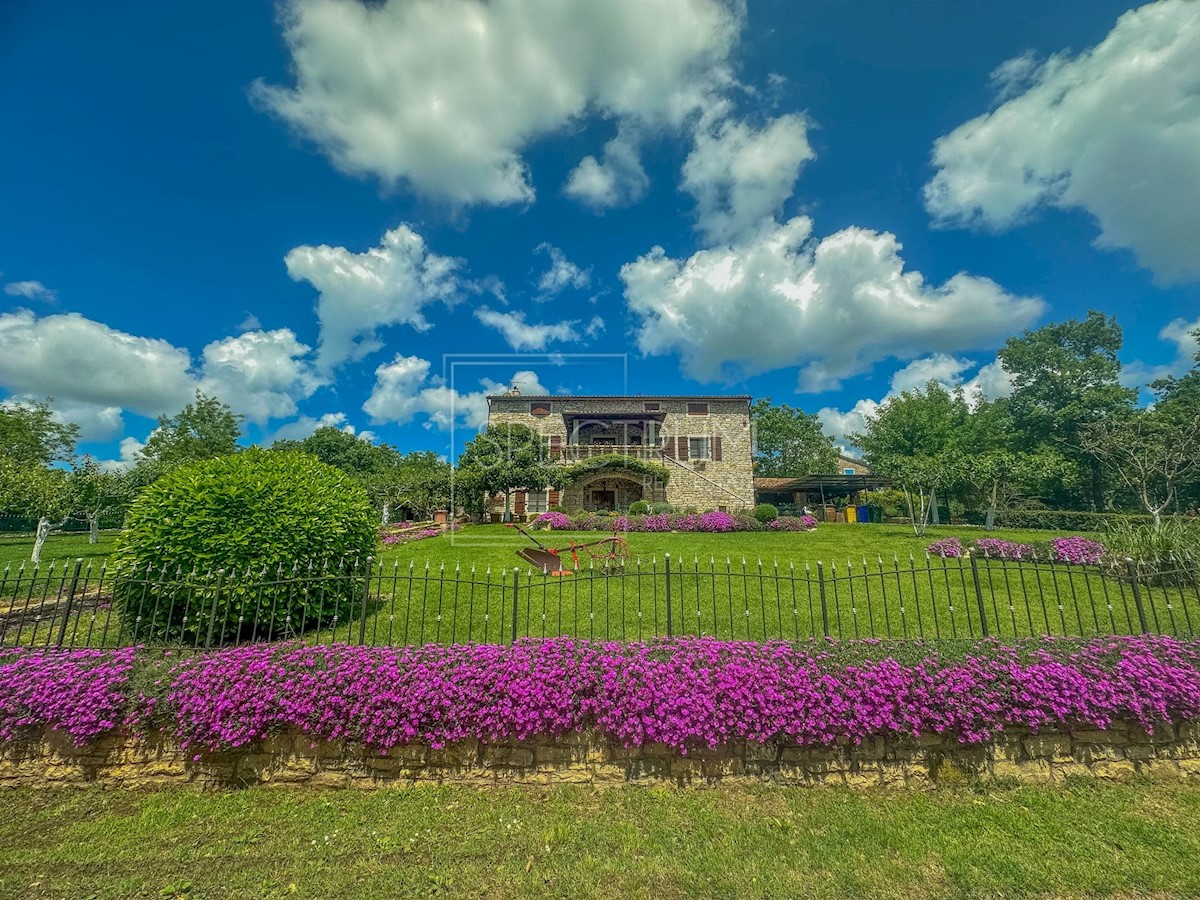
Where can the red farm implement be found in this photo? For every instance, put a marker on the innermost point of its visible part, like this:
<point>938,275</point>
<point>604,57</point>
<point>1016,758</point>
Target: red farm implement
<point>607,551</point>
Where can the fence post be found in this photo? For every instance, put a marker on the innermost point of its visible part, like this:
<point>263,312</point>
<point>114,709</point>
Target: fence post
<point>1137,594</point>
<point>667,568</point>
<point>983,626</point>
<point>516,581</point>
<point>62,632</point>
<point>362,618</point>
<point>824,604</point>
<point>212,612</point>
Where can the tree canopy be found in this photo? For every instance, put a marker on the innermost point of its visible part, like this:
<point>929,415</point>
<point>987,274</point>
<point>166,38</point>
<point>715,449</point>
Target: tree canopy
<point>203,429</point>
<point>789,442</point>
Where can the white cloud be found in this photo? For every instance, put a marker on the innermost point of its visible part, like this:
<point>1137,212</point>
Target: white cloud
<point>833,307</point>
<point>740,175</point>
<point>129,449</point>
<point>261,374</point>
<point>446,94</point>
<point>404,390</point>
<point>522,335</point>
<point>562,273</point>
<point>76,359</point>
<point>1179,332</point>
<point>942,368</point>
<point>95,372</point>
<point>250,323</point>
<point>362,292</point>
<point>1113,130</point>
<point>618,179</point>
<point>31,290</point>
<point>303,426</point>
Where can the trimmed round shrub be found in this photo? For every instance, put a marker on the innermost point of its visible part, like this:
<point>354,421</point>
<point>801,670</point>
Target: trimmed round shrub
<point>765,512</point>
<point>662,509</point>
<point>639,508</point>
<point>190,562</point>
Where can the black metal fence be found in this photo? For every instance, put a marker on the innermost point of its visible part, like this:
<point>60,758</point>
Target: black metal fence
<point>930,598</point>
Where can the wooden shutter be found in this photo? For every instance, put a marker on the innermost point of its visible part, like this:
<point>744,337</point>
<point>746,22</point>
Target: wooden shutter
<point>555,496</point>
<point>716,448</point>
<point>519,503</point>
<point>555,446</point>
<point>683,448</point>
<point>668,447</point>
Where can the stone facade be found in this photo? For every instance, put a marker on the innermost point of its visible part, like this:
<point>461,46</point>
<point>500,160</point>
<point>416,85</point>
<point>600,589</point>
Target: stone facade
<point>705,443</point>
<point>1122,752</point>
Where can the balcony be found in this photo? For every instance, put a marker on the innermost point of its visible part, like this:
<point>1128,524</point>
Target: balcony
<point>577,452</point>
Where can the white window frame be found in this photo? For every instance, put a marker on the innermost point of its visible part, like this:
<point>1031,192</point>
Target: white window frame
<point>707,445</point>
<point>848,472</point>
<point>537,501</point>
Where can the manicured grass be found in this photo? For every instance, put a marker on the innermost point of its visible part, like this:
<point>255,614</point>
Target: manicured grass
<point>1085,840</point>
<point>848,581</point>
<point>59,548</point>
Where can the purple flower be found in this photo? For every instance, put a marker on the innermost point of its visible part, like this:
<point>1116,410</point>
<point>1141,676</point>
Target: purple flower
<point>946,547</point>
<point>1077,550</point>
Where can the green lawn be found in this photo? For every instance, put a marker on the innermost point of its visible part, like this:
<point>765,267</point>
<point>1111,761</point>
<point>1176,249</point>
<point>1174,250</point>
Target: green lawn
<point>1086,840</point>
<point>877,582</point>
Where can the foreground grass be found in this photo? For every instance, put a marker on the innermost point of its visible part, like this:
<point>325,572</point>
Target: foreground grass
<point>1082,841</point>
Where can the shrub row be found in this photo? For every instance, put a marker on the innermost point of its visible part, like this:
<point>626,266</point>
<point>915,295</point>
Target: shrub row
<point>686,693</point>
<point>664,522</point>
<point>1064,520</point>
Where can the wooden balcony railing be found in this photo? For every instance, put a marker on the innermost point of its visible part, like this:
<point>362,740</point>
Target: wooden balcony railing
<point>576,452</point>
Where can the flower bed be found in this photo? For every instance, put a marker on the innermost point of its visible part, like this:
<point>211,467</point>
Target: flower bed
<point>711,522</point>
<point>1073,550</point>
<point>686,693</point>
<point>404,533</point>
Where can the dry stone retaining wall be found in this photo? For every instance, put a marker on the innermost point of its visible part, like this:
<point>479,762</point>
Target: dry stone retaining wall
<point>1122,752</point>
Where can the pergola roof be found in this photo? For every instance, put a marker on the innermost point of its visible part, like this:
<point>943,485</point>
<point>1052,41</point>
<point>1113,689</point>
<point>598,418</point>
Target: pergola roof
<point>830,484</point>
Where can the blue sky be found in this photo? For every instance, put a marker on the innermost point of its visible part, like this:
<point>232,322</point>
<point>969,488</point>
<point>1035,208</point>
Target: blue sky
<point>370,215</point>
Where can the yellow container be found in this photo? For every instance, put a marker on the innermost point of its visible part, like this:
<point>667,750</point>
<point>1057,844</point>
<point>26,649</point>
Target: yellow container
<point>851,514</point>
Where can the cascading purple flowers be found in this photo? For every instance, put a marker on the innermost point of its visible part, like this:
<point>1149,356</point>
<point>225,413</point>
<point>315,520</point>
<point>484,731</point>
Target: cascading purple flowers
<point>793,523</point>
<point>78,692</point>
<point>950,547</point>
<point>685,693</point>
<point>1077,550</point>
<point>556,521</point>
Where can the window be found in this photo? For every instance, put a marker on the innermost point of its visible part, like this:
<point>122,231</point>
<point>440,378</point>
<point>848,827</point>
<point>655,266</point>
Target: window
<point>653,407</point>
<point>537,501</point>
<point>699,448</point>
<point>539,409</point>
<point>847,471</point>
<point>697,409</point>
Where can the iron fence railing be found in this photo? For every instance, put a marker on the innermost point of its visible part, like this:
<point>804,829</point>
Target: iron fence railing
<point>930,598</point>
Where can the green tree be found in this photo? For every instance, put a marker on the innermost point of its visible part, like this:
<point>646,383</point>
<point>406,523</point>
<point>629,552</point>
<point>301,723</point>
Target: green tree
<point>204,429</point>
<point>789,442</point>
<point>29,434</point>
<point>1177,399</point>
<point>343,450</point>
<point>34,490</point>
<point>1066,378</point>
<point>95,491</point>
<point>502,459</point>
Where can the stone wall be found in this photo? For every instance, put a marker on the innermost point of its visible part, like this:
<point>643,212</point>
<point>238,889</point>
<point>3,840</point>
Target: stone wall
<point>1121,753</point>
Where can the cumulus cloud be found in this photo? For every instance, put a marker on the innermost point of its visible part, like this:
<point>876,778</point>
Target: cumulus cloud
<point>444,95</point>
<point>95,372</point>
<point>130,448</point>
<point>741,175</point>
<point>303,426</point>
<point>562,273</point>
<point>522,335</point>
<point>1113,131</point>
<point>617,179</point>
<point>31,290</point>
<point>359,293</point>
<point>261,374</point>
<point>833,307</point>
<point>405,390</point>
<point>1182,335</point>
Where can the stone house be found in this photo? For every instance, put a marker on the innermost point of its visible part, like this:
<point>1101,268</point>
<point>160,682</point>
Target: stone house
<point>703,442</point>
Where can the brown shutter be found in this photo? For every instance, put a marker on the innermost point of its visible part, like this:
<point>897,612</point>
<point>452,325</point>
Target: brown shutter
<point>716,448</point>
<point>668,447</point>
<point>555,496</point>
<point>555,446</point>
<point>519,503</point>
<point>683,448</point>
